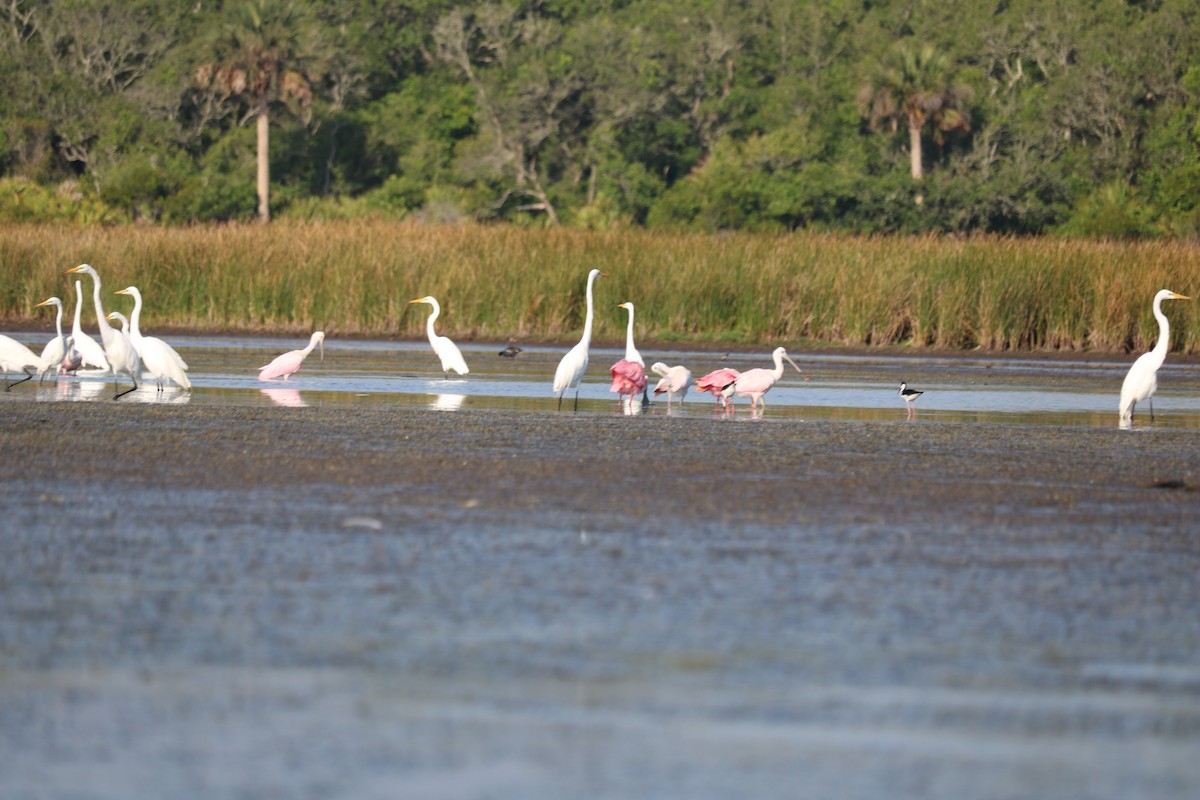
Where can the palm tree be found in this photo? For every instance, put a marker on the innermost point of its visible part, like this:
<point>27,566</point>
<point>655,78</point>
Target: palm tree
<point>914,84</point>
<point>263,56</point>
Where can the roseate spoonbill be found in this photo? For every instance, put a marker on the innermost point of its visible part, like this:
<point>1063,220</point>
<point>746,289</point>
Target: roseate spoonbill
<point>56,348</point>
<point>158,357</point>
<point>757,382</point>
<point>629,374</point>
<point>675,381</point>
<point>71,361</point>
<point>91,352</point>
<point>909,396</point>
<point>16,357</point>
<point>716,382</point>
<point>446,350</point>
<point>1142,379</point>
<point>574,364</point>
<point>288,364</point>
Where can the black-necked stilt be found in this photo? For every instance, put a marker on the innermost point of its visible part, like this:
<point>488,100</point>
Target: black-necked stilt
<point>909,396</point>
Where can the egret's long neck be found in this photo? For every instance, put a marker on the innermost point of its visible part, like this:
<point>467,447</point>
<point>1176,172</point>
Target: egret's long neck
<point>631,353</point>
<point>135,331</point>
<point>429,322</point>
<point>78,302</point>
<point>1164,329</point>
<point>587,320</point>
<point>101,319</point>
<point>58,321</point>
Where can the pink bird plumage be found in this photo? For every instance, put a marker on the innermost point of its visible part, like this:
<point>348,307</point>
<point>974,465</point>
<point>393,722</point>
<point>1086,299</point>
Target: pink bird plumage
<point>715,381</point>
<point>288,364</point>
<point>629,378</point>
<point>757,382</point>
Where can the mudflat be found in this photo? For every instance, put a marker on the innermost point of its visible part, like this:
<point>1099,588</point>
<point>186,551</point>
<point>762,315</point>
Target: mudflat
<point>343,602</point>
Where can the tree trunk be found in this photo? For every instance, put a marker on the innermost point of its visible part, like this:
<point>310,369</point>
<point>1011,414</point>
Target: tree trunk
<point>914,148</point>
<point>264,165</point>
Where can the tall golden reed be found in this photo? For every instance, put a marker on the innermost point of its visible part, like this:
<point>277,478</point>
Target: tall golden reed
<point>356,278</point>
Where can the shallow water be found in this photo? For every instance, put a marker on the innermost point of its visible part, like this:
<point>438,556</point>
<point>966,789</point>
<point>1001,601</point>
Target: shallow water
<point>367,598</point>
<point>850,387</point>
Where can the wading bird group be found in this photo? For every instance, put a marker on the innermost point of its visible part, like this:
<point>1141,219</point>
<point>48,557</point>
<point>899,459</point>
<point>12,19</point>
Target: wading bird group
<point>126,352</point>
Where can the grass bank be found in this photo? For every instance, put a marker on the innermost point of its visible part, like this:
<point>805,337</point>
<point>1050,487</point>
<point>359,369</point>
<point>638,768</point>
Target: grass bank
<point>356,278</point>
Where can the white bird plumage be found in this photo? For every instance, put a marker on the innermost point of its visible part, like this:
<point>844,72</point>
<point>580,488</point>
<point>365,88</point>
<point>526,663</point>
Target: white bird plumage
<point>1142,379</point>
<point>158,358</point>
<point>87,347</point>
<point>674,383</point>
<point>446,350</point>
<point>123,358</point>
<point>56,348</point>
<point>574,364</point>
<point>16,357</point>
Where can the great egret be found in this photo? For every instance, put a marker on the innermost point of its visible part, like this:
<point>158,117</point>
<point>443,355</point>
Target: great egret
<point>118,347</point>
<point>716,382</point>
<point>909,396</point>
<point>629,374</point>
<point>674,383</point>
<point>158,357</point>
<point>91,352</point>
<point>574,364</point>
<point>757,382</point>
<point>446,350</point>
<point>1142,378</point>
<point>16,357</point>
<point>289,363</point>
<point>56,348</point>
<point>122,355</point>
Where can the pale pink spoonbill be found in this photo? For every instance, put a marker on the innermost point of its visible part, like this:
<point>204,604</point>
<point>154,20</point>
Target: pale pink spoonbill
<point>446,350</point>
<point>674,383</point>
<point>574,364</point>
<point>1142,378</point>
<point>288,364</point>
<point>757,382</point>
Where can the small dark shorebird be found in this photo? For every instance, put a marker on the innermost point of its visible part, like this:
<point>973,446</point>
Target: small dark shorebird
<point>909,396</point>
<point>510,351</point>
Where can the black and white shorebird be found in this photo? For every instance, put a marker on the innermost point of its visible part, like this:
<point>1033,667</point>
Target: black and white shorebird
<point>909,396</point>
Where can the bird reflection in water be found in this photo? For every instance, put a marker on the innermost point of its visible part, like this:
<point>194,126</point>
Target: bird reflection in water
<point>447,402</point>
<point>285,397</point>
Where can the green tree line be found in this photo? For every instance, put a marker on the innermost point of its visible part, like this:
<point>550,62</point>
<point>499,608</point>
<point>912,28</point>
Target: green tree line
<point>866,116</point>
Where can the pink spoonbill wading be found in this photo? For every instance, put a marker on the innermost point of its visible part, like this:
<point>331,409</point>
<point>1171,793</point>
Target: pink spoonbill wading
<point>288,364</point>
<point>757,382</point>
<point>628,374</point>
<point>716,382</point>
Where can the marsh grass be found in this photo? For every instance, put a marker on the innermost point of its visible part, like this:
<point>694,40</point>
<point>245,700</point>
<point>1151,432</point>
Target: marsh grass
<point>500,283</point>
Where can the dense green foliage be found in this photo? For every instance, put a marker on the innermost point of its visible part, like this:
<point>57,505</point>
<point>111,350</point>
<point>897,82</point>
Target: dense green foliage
<point>499,282</point>
<point>1019,116</point>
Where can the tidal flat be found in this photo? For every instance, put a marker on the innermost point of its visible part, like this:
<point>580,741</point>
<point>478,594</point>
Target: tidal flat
<point>232,601</point>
